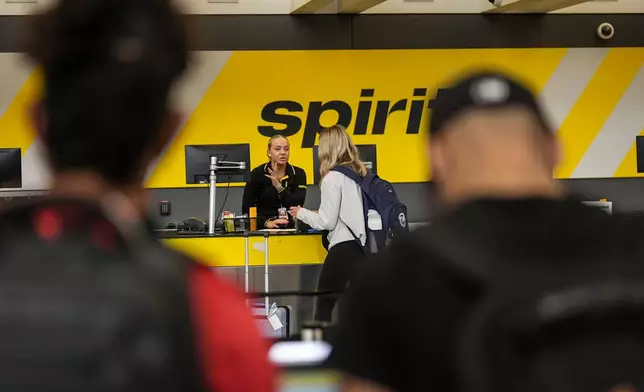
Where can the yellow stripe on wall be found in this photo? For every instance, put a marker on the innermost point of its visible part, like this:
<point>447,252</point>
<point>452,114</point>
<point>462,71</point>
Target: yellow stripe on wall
<point>595,105</point>
<point>16,130</point>
<point>628,167</point>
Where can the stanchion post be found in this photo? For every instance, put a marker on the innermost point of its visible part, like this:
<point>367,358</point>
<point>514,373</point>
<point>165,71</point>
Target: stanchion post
<point>266,287</point>
<point>212,197</point>
<point>246,263</point>
<point>246,269</point>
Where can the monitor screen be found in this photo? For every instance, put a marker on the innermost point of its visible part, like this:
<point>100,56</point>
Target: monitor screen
<point>639,147</point>
<point>10,168</point>
<point>367,155</point>
<point>198,162</point>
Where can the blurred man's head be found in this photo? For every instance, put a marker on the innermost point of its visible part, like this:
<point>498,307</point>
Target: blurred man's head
<point>108,67</point>
<point>489,138</point>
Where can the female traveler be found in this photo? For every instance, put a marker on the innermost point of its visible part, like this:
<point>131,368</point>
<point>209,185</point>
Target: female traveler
<point>274,185</point>
<point>340,212</point>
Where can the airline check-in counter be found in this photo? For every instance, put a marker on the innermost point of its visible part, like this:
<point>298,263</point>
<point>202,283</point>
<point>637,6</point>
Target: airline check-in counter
<point>229,250</point>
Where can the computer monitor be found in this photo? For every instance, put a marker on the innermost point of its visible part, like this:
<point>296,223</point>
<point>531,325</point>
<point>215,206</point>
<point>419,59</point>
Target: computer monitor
<point>639,146</point>
<point>367,155</point>
<point>198,162</point>
<point>10,168</point>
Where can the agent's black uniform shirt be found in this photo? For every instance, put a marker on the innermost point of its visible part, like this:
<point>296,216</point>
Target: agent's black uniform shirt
<point>261,193</point>
<point>400,325</point>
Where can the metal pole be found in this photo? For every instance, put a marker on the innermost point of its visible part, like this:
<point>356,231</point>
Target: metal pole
<point>246,282</point>
<point>212,200</point>
<point>246,263</point>
<point>266,288</point>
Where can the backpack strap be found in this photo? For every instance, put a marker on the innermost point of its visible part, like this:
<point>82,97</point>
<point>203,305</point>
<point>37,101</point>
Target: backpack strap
<point>358,180</point>
<point>347,171</point>
<point>355,237</point>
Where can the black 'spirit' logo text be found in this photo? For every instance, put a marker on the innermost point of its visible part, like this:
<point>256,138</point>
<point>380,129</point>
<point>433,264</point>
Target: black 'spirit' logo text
<point>280,112</point>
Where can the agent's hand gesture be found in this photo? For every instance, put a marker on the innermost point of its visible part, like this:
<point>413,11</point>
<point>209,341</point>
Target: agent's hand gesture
<point>275,180</point>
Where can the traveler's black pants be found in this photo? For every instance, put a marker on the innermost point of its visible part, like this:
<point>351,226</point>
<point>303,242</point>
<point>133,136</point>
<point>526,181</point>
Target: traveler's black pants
<point>342,264</point>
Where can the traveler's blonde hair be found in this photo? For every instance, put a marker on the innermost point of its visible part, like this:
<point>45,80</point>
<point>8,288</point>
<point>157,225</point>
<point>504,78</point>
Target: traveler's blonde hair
<point>337,149</point>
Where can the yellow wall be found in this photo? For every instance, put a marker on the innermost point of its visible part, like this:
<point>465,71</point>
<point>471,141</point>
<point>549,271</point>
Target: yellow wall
<point>595,98</point>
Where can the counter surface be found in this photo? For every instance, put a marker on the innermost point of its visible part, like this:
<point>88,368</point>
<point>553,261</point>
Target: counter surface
<point>229,250</point>
<point>172,233</point>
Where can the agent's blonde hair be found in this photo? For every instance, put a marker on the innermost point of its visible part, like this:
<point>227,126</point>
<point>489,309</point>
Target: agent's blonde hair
<point>275,137</point>
<point>337,149</point>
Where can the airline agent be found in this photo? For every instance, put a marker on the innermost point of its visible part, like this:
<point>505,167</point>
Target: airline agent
<point>275,184</point>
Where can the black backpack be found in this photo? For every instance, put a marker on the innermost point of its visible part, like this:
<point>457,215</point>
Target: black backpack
<point>379,195</point>
<point>76,317</point>
<point>547,328</point>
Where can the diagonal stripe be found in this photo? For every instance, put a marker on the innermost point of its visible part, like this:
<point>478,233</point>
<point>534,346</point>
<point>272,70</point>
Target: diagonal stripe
<point>628,167</point>
<point>13,74</point>
<point>568,81</point>
<point>587,117</point>
<point>15,125</point>
<point>616,136</point>
<point>189,94</point>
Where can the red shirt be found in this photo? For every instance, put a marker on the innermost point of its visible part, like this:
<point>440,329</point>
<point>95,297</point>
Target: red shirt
<point>234,355</point>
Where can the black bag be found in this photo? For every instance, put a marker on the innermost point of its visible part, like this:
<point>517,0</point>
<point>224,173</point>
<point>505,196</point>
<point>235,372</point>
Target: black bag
<point>379,195</point>
<point>543,328</point>
<point>76,317</point>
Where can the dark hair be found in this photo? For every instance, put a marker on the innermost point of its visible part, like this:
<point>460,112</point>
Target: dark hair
<point>108,68</point>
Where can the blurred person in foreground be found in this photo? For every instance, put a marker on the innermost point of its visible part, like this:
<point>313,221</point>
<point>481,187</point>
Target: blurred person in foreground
<point>492,155</point>
<point>91,300</point>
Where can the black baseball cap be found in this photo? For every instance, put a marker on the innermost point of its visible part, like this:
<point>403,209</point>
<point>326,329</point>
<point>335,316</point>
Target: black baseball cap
<point>482,90</point>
